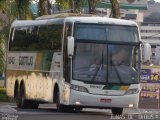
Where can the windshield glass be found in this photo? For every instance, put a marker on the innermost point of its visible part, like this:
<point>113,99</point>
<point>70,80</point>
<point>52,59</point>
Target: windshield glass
<point>106,32</point>
<point>97,61</point>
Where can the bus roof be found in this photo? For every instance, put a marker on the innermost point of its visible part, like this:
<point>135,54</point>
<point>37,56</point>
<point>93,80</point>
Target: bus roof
<point>77,19</point>
<point>87,18</point>
<point>101,20</point>
<point>19,23</point>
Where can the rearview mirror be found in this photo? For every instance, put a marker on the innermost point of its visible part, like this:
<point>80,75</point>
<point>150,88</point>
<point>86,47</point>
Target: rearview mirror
<point>147,51</point>
<point>70,46</point>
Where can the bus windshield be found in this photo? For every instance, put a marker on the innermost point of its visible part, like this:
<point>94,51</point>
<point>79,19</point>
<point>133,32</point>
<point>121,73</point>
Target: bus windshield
<point>97,59</point>
<point>101,32</point>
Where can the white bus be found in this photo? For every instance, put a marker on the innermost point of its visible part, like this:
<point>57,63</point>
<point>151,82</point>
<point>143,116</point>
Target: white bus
<point>51,60</point>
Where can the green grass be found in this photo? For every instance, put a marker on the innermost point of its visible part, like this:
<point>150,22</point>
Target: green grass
<point>3,96</point>
<point>2,90</point>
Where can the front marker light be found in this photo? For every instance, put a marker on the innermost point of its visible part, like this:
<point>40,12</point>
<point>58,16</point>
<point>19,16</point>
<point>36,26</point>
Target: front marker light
<point>130,105</point>
<point>132,91</point>
<point>77,103</point>
<point>79,88</point>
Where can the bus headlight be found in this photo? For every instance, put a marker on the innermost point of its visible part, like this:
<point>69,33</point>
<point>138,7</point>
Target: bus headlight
<point>132,91</point>
<point>79,88</point>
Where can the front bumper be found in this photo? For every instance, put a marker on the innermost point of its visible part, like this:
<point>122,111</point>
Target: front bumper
<point>102,101</point>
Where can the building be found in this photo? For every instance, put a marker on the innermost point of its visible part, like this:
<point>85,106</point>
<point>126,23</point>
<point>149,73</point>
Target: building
<point>150,33</point>
<point>150,29</point>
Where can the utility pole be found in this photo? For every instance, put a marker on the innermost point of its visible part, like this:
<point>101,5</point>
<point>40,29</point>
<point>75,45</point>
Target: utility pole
<point>115,9</point>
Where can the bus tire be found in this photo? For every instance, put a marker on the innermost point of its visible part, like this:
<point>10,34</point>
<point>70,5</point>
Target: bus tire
<point>78,109</point>
<point>117,111</point>
<point>59,106</point>
<point>35,105</point>
<point>16,95</point>
<point>32,104</point>
<point>21,102</point>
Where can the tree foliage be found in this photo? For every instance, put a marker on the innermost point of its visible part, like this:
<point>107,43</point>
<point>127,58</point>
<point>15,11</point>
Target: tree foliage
<point>77,6</point>
<point>62,4</point>
<point>23,9</point>
<point>70,5</point>
<point>2,5</point>
<point>3,32</point>
<point>3,41</point>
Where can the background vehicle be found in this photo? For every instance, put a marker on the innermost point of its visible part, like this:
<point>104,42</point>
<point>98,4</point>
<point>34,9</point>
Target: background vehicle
<point>49,61</point>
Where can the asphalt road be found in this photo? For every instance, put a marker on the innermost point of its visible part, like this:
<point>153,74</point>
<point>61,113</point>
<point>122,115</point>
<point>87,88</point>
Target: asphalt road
<point>9,111</point>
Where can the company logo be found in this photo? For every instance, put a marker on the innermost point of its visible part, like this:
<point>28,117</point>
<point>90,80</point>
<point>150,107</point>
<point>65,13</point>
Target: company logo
<point>106,92</point>
<point>130,1</point>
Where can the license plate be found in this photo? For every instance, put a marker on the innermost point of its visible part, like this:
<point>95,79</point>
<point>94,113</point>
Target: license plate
<point>104,100</point>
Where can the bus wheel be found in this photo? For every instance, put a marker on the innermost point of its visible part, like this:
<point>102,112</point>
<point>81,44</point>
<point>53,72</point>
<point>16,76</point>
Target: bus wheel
<point>35,105</point>
<point>21,103</point>
<point>78,109</point>
<point>17,97</point>
<point>69,109</point>
<point>32,104</point>
<point>58,105</point>
<point>117,111</point>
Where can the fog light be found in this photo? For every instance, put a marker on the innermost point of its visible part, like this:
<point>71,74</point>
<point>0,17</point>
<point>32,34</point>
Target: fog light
<point>130,105</point>
<point>77,103</point>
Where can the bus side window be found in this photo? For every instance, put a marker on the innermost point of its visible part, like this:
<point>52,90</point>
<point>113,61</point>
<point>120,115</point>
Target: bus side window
<point>55,36</point>
<point>38,38</point>
<point>66,60</point>
<point>19,41</point>
<point>42,38</point>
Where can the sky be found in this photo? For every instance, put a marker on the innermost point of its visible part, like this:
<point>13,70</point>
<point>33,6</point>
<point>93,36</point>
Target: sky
<point>157,0</point>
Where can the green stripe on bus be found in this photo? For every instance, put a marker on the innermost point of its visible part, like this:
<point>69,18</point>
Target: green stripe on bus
<point>115,87</point>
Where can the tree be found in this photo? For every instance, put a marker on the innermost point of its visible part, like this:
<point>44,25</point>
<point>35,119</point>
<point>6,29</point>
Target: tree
<point>63,4</point>
<point>3,32</point>
<point>73,6</point>
<point>77,6</point>
<point>44,7</point>
<point>23,9</point>
<point>2,5</point>
<point>92,6</point>
<point>115,9</point>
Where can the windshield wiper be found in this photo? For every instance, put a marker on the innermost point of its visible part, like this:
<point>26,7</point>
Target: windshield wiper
<point>96,72</point>
<point>117,73</point>
<point>99,67</point>
<point>114,66</point>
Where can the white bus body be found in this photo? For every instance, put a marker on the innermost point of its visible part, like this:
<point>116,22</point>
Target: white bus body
<point>43,67</point>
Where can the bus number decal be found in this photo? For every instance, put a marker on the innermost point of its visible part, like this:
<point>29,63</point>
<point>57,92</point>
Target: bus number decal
<point>11,60</point>
<point>21,61</point>
<point>26,60</point>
